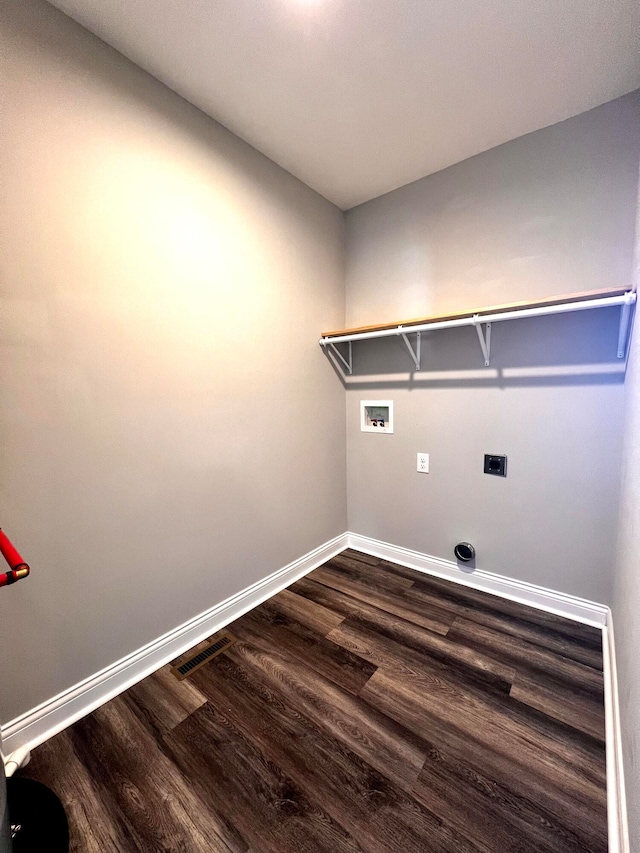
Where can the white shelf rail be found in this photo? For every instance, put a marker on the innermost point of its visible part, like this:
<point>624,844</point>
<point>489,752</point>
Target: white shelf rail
<point>625,301</point>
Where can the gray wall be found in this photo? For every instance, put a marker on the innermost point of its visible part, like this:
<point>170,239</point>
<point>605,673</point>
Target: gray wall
<point>5,831</point>
<point>163,287</point>
<point>550,213</point>
<point>626,600</point>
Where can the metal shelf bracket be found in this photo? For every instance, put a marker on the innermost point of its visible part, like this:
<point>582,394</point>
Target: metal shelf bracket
<point>347,364</point>
<point>484,338</point>
<point>414,353</point>
<point>623,330</point>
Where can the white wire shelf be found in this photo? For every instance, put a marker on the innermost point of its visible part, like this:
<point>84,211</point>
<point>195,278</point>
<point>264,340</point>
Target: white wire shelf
<point>482,320</point>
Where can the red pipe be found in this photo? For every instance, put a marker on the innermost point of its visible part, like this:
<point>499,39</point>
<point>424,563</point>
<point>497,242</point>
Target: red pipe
<point>18,568</point>
<point>10,553</point>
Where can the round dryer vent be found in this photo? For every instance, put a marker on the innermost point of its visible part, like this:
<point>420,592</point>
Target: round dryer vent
<point>464,551</point>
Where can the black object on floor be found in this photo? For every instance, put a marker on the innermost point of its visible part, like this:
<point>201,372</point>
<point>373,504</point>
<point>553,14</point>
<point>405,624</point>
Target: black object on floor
<point>37,816</point>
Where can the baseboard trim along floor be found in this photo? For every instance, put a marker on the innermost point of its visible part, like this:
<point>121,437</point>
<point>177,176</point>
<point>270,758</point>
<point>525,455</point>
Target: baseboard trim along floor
<point>38,725</point>
<point>549,600</point>
<point>616,796</point>
<point>581,610</point>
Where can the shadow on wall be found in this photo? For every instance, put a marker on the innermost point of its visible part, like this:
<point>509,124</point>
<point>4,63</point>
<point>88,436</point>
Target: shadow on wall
<point>561,349</point>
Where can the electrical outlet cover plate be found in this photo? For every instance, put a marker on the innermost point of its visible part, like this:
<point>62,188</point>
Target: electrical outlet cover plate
<point>376,416</point>
<point>423,463</point>
<point>496,465</point>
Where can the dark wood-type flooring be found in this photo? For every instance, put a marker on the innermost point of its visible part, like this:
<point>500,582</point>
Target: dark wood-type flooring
<point>367,707</point>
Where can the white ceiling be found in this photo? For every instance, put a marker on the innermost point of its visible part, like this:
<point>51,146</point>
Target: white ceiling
<point>358,97</point>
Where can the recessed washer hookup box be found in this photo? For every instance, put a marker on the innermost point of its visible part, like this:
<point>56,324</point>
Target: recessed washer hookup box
<point>376,416</point>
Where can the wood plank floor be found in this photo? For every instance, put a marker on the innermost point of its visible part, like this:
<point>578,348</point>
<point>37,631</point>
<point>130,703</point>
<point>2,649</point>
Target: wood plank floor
<point>366,708</point>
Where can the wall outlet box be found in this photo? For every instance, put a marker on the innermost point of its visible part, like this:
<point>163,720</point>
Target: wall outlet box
<point>496,465</point>
<point>423,463</point>
<point>376,416</point>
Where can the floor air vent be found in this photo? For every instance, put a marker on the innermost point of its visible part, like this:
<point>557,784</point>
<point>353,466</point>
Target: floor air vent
<point>205,652</point>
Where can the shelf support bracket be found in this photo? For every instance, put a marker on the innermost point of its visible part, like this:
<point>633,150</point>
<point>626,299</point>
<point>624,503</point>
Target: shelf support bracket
<point>623,331</point>
<point>414,353</point>
<point>484,338</point>
<point>347,364</point>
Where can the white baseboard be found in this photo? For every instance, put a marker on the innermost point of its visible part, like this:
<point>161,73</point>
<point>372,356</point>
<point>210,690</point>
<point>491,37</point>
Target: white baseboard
<point>579,609</point>
<point>36,726</point>
<point>616,797</point>
<point>549,600</point>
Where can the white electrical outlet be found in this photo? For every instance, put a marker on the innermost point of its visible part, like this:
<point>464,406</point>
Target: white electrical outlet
<point>423,463</point>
